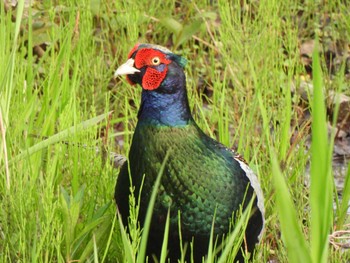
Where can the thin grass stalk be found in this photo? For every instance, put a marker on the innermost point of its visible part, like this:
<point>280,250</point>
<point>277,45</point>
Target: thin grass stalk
<point>5,109</point>
<point>58,137</point>
<point>11,65</point>
<point>342,212</point>
<point>6,163</point>
<point>129,255</point>
<point>95,249</point>
<point>165,239</point>
<point>147,224</point>
<point>295,242</point>
<point>210,257</point>
<point>235,238</point>
<point>108,244</point>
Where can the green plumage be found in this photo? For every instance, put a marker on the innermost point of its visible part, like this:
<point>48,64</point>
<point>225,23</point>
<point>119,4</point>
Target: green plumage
<point>200,177</point>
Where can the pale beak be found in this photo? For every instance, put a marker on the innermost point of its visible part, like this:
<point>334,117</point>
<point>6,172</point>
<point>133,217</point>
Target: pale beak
<point>126,69</point>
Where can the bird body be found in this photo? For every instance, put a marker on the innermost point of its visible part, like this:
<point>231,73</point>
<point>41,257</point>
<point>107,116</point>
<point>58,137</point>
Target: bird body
<point>201,177</point>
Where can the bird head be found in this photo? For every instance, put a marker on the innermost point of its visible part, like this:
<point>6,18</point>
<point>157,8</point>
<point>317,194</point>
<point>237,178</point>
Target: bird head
<point>150,65</point>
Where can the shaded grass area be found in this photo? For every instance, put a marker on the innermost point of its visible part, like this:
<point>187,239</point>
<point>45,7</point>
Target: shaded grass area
<point>58,63</point>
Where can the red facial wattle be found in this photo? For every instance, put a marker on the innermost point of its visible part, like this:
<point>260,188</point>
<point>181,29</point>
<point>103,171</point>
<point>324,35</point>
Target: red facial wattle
<point>153,75</point>
<point>153,78</point>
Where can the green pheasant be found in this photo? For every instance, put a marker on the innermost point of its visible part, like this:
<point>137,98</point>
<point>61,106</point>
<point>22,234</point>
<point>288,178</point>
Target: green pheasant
<point>201,176</point>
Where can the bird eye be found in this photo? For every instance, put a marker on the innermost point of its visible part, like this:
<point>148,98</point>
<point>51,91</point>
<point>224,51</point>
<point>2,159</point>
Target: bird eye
<point>156,61</point>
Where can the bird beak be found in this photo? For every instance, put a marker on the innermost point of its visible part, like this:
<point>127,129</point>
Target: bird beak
<point>126,69</point>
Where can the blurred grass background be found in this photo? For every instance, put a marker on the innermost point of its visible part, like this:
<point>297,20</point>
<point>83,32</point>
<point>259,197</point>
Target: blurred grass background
<point>249,64</point>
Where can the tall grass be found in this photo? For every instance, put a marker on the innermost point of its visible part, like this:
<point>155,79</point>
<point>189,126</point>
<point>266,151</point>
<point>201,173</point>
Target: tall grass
<point>321,187</point>
<point>56,190</point>
<point>7,82</point>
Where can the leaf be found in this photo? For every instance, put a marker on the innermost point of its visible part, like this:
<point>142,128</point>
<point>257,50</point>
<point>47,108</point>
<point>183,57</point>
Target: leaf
<point>95,7</point>
<point>101,211</point>
<point>209,15</point>
<point>172,25</point>
<point>70,211</point>
<point>66,196</point>
<point>188,31</point>
<point>98,239</point>
<point>78,198</point>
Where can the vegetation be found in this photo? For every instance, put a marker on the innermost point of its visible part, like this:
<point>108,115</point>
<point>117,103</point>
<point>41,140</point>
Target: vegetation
<point>62,113</point>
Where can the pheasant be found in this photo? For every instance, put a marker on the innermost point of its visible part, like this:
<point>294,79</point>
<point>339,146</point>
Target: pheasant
<point>201,177</point>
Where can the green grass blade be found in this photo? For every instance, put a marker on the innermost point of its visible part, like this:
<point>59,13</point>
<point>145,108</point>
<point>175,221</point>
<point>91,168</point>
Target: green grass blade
<point>59,137</point>
<point>3,151</point>
<point>109,240</point>
<point>236,237</point>
<point>210,256</point>
<point>5,98</point>
<point>342,213</point>
<point>182,246</point>
<point>285,130</point>
<point>147,224</point>
<point>6,92</point>
<point>293,238</point>
<point>95,249</point>
<point>165,239</point>
<point>97,240</point>
<point>129,255</point>
<point>321,188</point>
